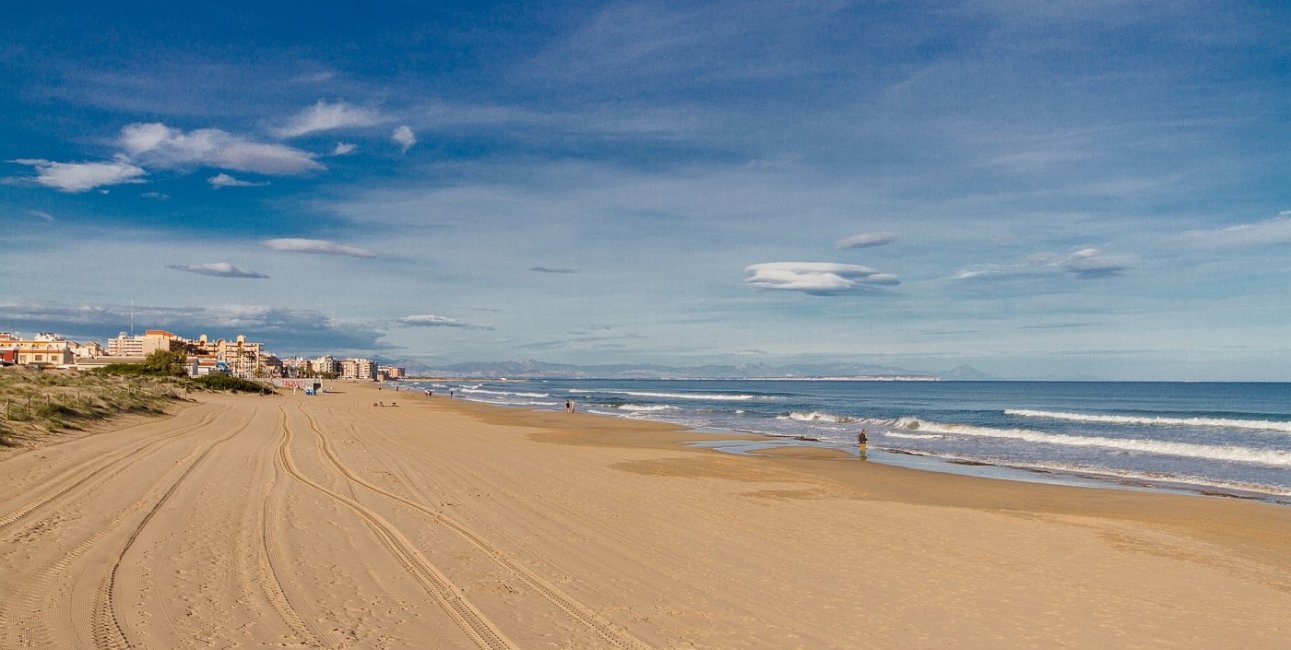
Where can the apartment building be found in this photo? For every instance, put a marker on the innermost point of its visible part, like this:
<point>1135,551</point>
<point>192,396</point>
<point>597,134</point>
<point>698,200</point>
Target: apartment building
<point>362,369</point>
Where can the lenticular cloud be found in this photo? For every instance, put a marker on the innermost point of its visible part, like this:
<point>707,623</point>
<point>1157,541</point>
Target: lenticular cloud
<point>819,278</point>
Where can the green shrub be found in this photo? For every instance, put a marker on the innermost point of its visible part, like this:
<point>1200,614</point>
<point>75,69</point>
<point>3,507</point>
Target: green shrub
<point>235,384</point>
<point>162,363</point>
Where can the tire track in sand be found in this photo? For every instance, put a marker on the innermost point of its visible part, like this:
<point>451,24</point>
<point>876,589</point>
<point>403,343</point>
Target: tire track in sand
<point>107,628</point>
<point>135,456</point>
<point>38,634</point>
<point>581,613</point>
<point>269,580</point>
<point>449,597</point>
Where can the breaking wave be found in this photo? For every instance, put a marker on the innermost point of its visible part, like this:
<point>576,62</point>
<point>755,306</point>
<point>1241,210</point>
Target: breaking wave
<point>1269,457</point>
<point>816,416</point>
<point>638,408</point>
<point>485,391</point>
<point>696,396</point>
<point>912,436</point>
<point>1258,425</point>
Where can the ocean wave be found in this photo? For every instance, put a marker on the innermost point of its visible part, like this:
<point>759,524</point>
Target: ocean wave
<point>1259,425</point>
<point>511,402</point>
<point>644,408</point>
<point>485,391</point>
<point>912,436</point>
<point>1158,477</point>
<point>816,416</point>
<point>1272,457</point>
<point>696,396</point>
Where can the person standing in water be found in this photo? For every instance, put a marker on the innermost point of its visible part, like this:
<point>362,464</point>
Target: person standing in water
<point>862,441</point>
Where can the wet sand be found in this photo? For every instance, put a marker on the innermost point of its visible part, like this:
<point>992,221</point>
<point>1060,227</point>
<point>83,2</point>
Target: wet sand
<point>296,521</point>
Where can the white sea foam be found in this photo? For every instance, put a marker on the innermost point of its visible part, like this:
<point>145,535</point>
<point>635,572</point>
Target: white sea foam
<point>1272,457</point>
<point>1260,425</point>
<point>695,396</point>
<point>1150,479</point>
<point>1189,480</point>
<point>485,391</point>
<point>510,402</point>
<point>912,436</point>
<point>816,416</point>
<point>645,408</point>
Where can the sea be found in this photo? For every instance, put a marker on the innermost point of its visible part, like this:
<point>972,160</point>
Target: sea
<point>1224,439</point>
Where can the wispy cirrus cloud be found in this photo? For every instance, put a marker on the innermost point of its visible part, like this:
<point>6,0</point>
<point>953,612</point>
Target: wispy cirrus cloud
<point>315,246</point>
<point>42,215</point>
<point>224,180</point>
<point>343,149</point>
<point>817,278</point>
<point>1083,263</point>
<point>154,144</point>
<point>314,77</point>
<point>1261,233</point>
<point>865,240</point>
<point>323,116</point>
<point>82,177</point>
<point>432,320</point>
<point>217,270</point>
<point>551,269</point>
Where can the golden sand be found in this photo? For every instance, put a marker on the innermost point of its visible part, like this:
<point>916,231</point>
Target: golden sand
<point>297,521</point>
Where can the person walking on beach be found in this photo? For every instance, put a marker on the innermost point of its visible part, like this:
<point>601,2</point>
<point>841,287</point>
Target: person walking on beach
<point>862,441</point>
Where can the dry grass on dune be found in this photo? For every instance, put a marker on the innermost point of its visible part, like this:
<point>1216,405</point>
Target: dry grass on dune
<point>37,405</point>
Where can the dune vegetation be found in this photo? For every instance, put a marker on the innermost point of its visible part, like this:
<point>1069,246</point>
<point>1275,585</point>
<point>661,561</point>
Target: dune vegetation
<point>37,406</point>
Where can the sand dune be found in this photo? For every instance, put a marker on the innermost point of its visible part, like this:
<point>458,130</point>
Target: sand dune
<point>297,521</point>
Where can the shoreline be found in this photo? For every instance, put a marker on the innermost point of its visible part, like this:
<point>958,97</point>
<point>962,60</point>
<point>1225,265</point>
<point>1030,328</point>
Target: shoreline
<point>996,493</point>
<point>759,441</point>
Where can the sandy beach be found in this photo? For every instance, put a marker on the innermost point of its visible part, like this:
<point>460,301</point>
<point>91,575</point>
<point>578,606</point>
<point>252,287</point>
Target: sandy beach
<point>294,521</point>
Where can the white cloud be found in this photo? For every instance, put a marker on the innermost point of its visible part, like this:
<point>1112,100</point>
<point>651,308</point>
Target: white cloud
<point>404,137</point>
<point>82,177</point>
<point>155,144</point>
<point>326,117</point>
<point>865,240</point>
<point>224,180</point>
<point>42,215</point>
<point>1092,263</point>
<point>217,269</point>
<point>156,196</point>
<point>1083,263</point>
<point>315,246</point>
<point>343,149</point>
<point>1261,233</point>
<point>817,278</point>
<point>314,77</point>
<point>431,320</point>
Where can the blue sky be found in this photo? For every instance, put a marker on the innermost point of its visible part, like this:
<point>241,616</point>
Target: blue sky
<point>1035,189</point>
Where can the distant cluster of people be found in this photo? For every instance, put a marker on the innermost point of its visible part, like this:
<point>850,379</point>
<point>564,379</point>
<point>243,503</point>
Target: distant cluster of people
<point>380,404</point>
<point>569,406</point>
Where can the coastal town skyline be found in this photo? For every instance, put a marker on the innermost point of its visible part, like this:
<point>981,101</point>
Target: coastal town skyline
<point>1089,190</point>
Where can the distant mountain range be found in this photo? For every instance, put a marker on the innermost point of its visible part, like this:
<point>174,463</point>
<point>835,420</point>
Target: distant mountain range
<point>543,370</point>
